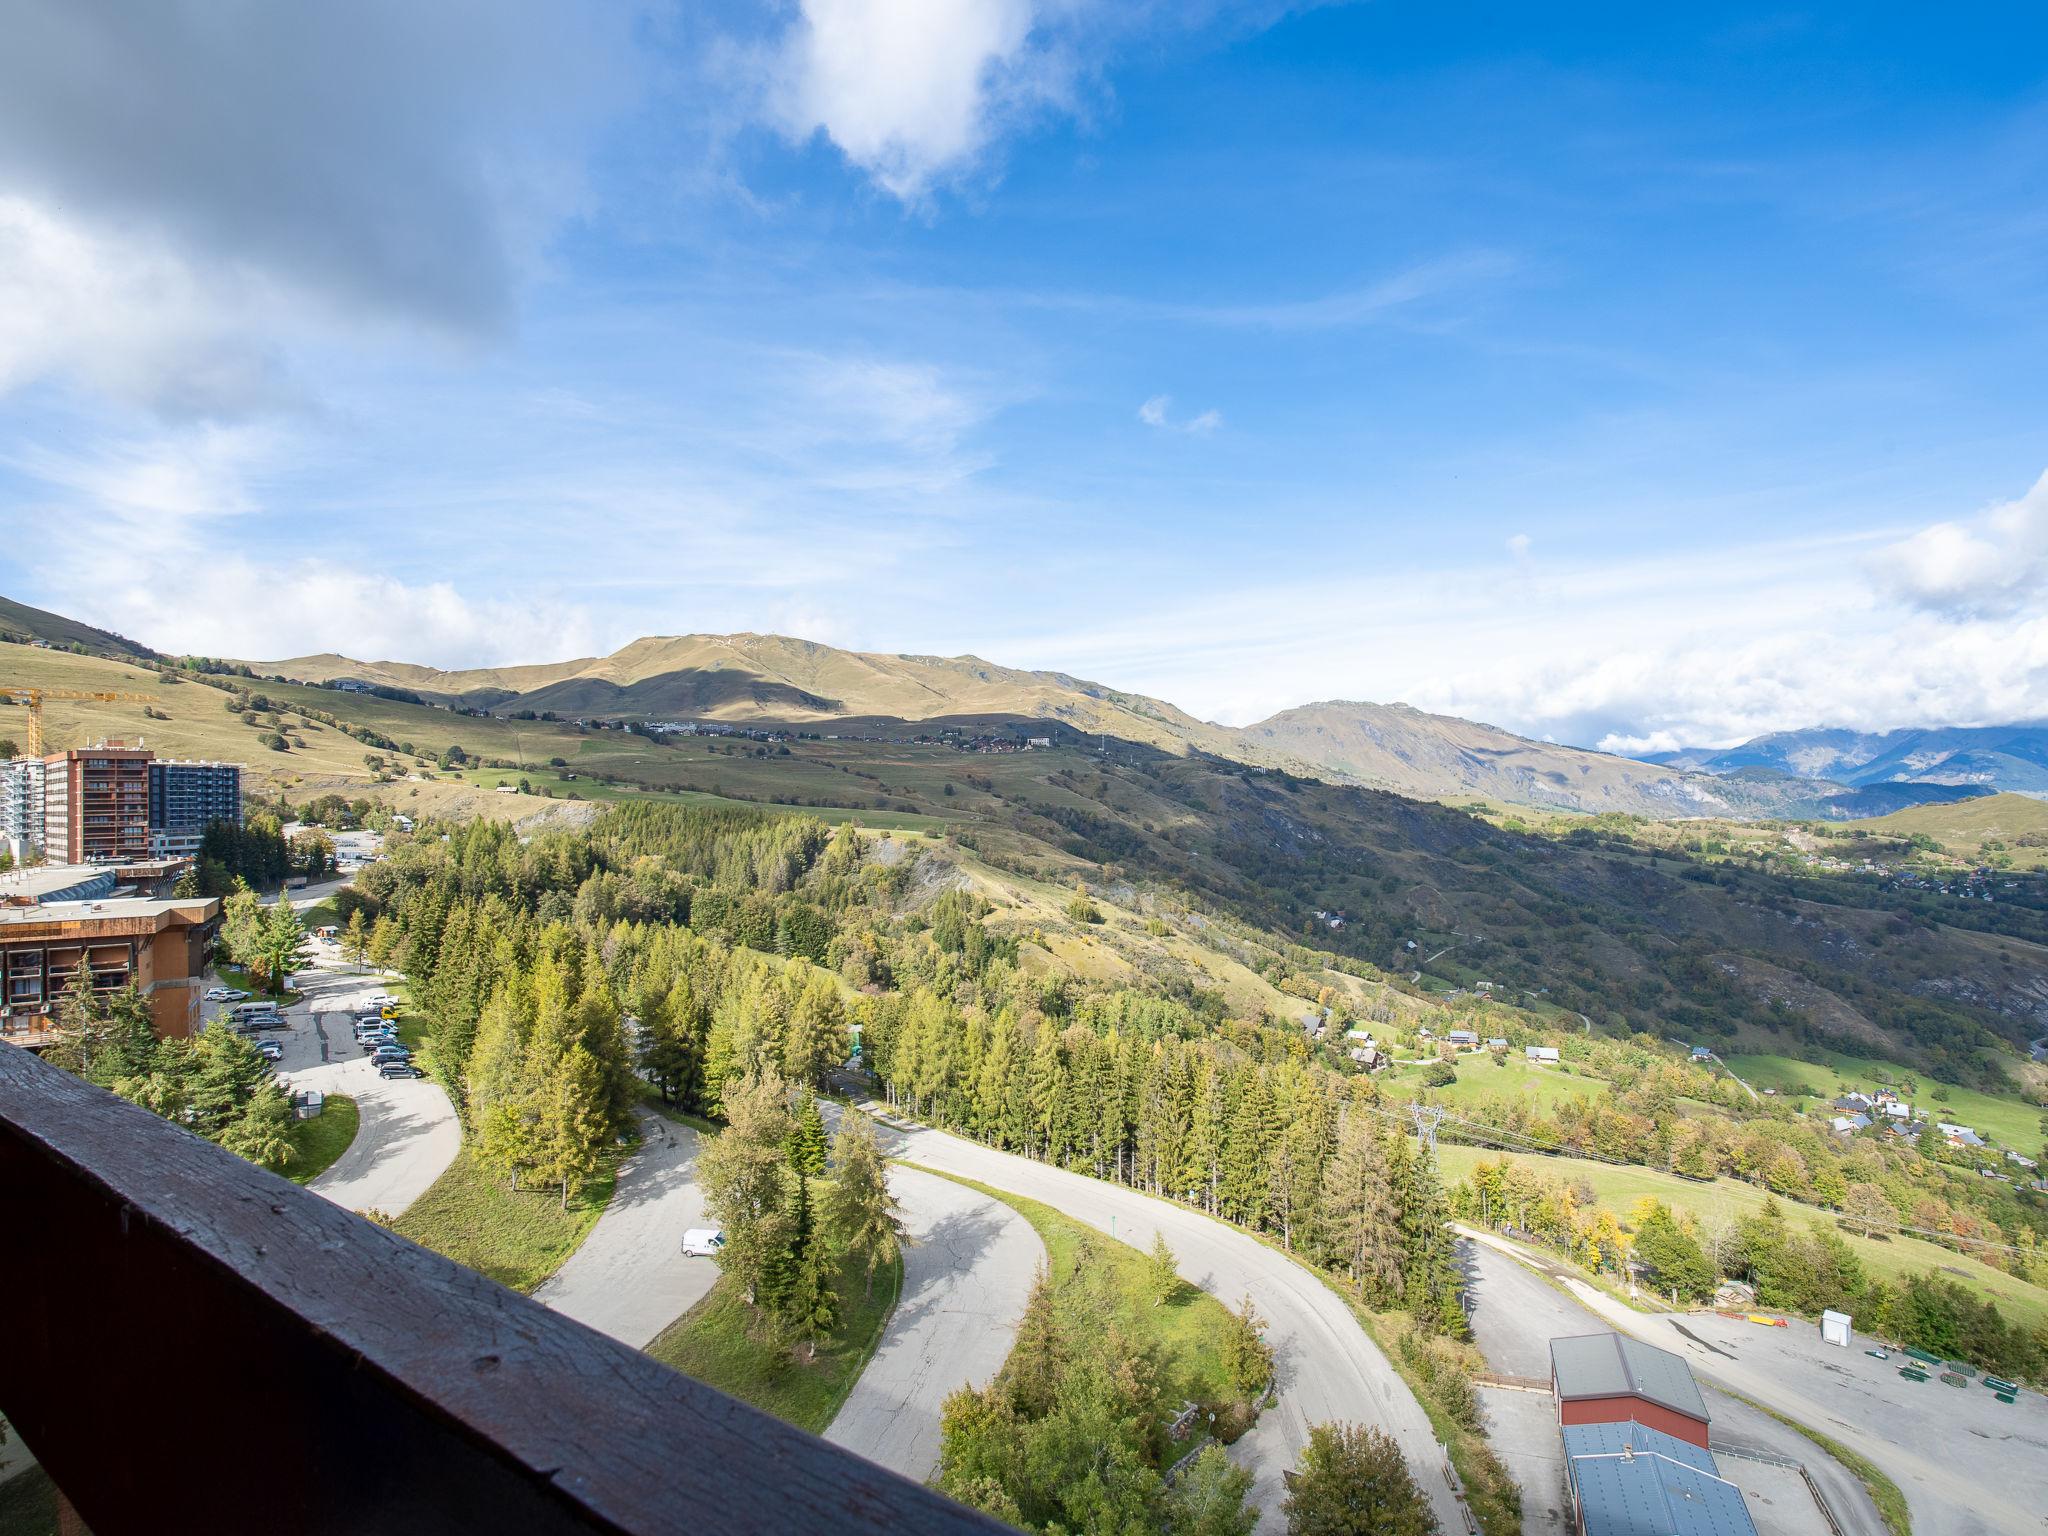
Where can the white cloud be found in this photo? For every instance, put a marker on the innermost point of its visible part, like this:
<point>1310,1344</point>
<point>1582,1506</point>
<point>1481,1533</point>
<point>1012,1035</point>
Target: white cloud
<point>1158,414</point>
<point>185,197</point>
<point>1995,563</point>
<point>1518,547</point>
<point>911,91</point>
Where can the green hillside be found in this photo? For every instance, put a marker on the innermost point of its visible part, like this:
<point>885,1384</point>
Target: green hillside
<point>2015,826</point>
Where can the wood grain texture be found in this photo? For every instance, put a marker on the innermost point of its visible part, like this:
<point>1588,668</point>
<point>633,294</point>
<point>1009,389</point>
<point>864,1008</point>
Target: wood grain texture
<point>191,1342</point>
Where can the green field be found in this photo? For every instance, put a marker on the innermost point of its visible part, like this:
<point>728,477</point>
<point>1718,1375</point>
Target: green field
<point>1972,829</point>
<point>322,1139</point>
<point>517,1237</point>
<point>1480,1079</point>
<point>1618,1188</point>
<point>2005,1119</point>
<point>718,1342</point>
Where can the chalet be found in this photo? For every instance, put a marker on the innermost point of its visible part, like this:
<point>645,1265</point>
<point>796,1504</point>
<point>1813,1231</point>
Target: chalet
<point>1848,1125</point>
<point>1701,1053</point>
<point>1542,1054</point>
<point>1496,1045</point>
<point>2018,1161</point>
<point>1465,1039</point>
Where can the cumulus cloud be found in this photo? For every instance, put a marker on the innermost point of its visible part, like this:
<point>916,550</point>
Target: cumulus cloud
<point>1157,413</point>
<point>211,180</point>
<point>910,91</point>
<point>1995,563</point>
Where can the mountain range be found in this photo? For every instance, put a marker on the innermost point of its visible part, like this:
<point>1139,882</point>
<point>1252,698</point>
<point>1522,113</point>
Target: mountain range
<point>1994,757</point>
<point>774,679</point>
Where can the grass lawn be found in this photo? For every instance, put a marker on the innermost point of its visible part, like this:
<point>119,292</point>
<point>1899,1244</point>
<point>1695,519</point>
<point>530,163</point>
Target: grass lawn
<point>1730,1199</point>
<point>320,1140</point>
<point>1184,1335</point>
<point>719,1342</point>
<point>2007,1120</point>
<point>517,1237</point>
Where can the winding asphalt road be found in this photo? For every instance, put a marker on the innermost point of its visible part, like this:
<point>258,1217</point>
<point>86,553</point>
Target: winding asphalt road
<point>629,1279</point>
<point>1326,1368</point>
<point>967,1273</point>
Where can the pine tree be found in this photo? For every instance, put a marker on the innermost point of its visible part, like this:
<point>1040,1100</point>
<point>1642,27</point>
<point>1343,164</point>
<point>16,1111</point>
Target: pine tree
<point>745,1175</point>
<point>355,940</point>
<point>1162,1271</point>
<point>1353,1481</point>
<point>279,944</point>
<point>1360,1220</point>
<point>262,1132</point>
<point>1247,1357</point>
<point>807,1139</point>
<point>859,1209</point>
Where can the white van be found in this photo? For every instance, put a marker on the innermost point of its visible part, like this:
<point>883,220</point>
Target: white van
<point>703,1242</point>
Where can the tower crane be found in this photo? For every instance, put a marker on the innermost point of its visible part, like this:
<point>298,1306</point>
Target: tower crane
<point>34,697</point>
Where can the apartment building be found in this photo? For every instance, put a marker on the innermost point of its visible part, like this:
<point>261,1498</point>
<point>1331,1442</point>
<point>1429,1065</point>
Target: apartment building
<point>187,797</point>
<point>96,805</point>
<point>161,946</point>
<point>21,807</point>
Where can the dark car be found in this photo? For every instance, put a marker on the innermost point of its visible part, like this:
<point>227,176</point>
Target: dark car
<point>398,1069</point>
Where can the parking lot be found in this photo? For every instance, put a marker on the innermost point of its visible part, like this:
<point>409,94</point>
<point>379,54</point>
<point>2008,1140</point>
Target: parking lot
<point>1516,1313</point>
<point>407,1132</point>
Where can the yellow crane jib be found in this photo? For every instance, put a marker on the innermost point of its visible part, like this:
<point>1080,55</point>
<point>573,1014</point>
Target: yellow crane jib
<point>34,697</point>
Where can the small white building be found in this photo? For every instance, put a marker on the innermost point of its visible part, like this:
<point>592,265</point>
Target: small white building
<point>1543,1054</point>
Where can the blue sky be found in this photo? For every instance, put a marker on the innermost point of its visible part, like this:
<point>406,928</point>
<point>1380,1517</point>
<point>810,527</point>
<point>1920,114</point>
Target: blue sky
<point>1617,378</point>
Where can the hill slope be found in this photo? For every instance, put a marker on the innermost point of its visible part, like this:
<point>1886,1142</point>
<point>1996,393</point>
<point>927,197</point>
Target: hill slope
<point>19,622</point>
<point>1398,747</point>
<point>749,677</point>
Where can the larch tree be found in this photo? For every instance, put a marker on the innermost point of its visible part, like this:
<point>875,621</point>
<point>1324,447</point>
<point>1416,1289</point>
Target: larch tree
<point>860,1211</point>
<point>745,1174</point>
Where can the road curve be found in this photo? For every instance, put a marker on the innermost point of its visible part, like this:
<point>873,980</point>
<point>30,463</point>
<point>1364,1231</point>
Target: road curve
<point>407,1133</point>
<point>967,1273</point>
<point>1327,1368</point>
<point>629,1278</point>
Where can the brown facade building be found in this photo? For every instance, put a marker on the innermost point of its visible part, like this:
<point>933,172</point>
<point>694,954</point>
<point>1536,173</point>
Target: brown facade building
<point>96,805</point>
<point>162,946</point>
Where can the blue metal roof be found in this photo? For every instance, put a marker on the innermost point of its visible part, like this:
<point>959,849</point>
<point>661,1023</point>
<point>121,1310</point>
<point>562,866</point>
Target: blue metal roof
<point>1612,1439</point>
<point>1645,1494</point>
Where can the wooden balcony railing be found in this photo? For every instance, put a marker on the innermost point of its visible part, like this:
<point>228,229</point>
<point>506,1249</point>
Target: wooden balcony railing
<point>190,1343</point>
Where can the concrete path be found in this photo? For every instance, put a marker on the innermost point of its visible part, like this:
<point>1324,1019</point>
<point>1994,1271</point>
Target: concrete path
<point>967,1273</point>
<point>629,1278</point>
<point>1327,1368</point>
<point>1967,1464</point>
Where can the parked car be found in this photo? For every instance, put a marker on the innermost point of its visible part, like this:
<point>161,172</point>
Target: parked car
<point>398,1069</point>
<point>703,1242</point>
<point>226,995</point>
<point>271,1049</point>
<point>374,1043</point>
<point>385,1053</point>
